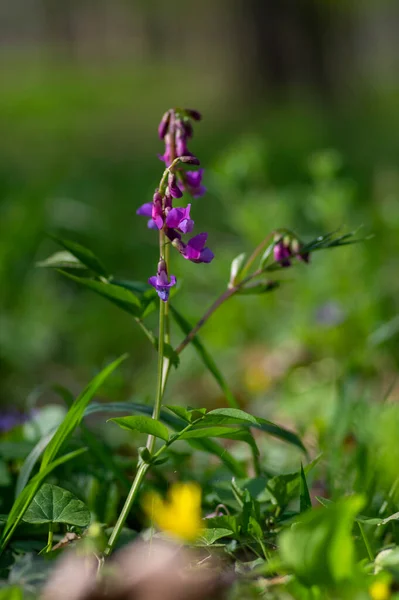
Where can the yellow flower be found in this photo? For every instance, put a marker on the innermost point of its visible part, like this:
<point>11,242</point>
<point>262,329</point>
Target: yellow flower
<point>379,590</point>
<point>180,514</point>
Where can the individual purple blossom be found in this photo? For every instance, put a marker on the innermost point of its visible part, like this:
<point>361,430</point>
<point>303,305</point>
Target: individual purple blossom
<point>196,251</point>
<point>179,218</point>
<point>157,210</point>
<point>181,142</point>
<point>282,254</point>
<point>164,124</point>
<point>194,114</point>
<point>174,189</point>
<point>161,282</point>
<point>193,183</point>
<point>145,210</point>
<point>167,157</point>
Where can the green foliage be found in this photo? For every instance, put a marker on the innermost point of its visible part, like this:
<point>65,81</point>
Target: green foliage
<point>143,425</point>
<point>75,414</point>
<point>319,547</point>
<point>53,504</point>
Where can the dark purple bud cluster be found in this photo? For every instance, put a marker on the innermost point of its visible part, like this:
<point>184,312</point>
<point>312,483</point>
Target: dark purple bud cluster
<point>176,129</point>
<point>287,247</point>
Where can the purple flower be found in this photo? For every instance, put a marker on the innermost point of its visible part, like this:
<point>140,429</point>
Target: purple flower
<point>145,210</point>
<point>196,251</point>
<point>181,143</point>
<point>164,124</point>
<point>194,114</point>
<point>282,254</point>
<point>12,418</point>
<point>174,189</point>
<point>157,210</point>
<point>179,218</point>
<point>193,183</point>
<point>167,156</point>
<point>161,282</point>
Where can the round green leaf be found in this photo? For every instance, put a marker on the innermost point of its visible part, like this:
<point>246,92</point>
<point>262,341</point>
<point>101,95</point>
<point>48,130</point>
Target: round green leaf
<point>53,504</point>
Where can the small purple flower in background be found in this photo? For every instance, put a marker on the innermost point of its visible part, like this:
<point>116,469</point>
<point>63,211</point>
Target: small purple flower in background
<point>192,183</point>
<point>282,254</point>
<point>179,218</point>
<point>196,251</point>
<point>287,248</point>
<point>12,418</point>
<point>161,282</point>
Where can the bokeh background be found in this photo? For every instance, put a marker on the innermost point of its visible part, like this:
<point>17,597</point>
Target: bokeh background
<point>300,129</point>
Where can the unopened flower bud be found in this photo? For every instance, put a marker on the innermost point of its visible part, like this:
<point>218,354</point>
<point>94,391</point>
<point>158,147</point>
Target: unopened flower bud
<point>164,124</point>
<point>189,160</point>
<point>194,114</point>
<point>174,189</point>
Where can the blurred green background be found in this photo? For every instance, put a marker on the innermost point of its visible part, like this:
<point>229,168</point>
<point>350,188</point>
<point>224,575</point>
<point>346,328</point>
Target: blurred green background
<point>300,129</point>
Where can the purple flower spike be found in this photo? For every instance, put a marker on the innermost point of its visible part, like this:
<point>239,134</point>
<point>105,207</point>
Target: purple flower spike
<point>282,254</point>
<point>161,282</point>
<point>179,218</point>
<point>174,189</point>
<point>193,183</point>
<point>196,250</point>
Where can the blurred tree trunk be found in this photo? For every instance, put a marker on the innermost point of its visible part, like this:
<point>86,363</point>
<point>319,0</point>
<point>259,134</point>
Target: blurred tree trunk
<point>292,44</point>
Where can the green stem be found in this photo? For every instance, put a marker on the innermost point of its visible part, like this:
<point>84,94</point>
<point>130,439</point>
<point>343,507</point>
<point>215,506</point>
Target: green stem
<point>50,537</point>
<point>366,542</point>
<point>163,371</point>
<point>142,470</point>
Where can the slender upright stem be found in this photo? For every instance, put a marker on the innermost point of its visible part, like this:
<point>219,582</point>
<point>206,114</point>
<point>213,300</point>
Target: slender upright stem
<point>163,371</point>
<point>142,470</point>
<point>50,537</point>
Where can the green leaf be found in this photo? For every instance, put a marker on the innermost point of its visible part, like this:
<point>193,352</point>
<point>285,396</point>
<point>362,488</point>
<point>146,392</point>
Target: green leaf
<point>266,255</point>
<point>319,547</point>
<point>181,412</point>
<point>76,412</point>
<point>119,296</point>
<point>53,504</point>
<point>204,445</point>
<point>257,288</point>
<point>228,416</point>
<point>205,357</point>
<point>61,260</point>
<point>25,498</point>
<point>143,425</point>
<point>208,432</point>
<point>231,416</point>
<point>210,536</point>
<point>12,592</point>
<point>286,487</point>
<point>84,255</point>
<point>236,268</point>
<point>304,497</point>
<point>31,460</point>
